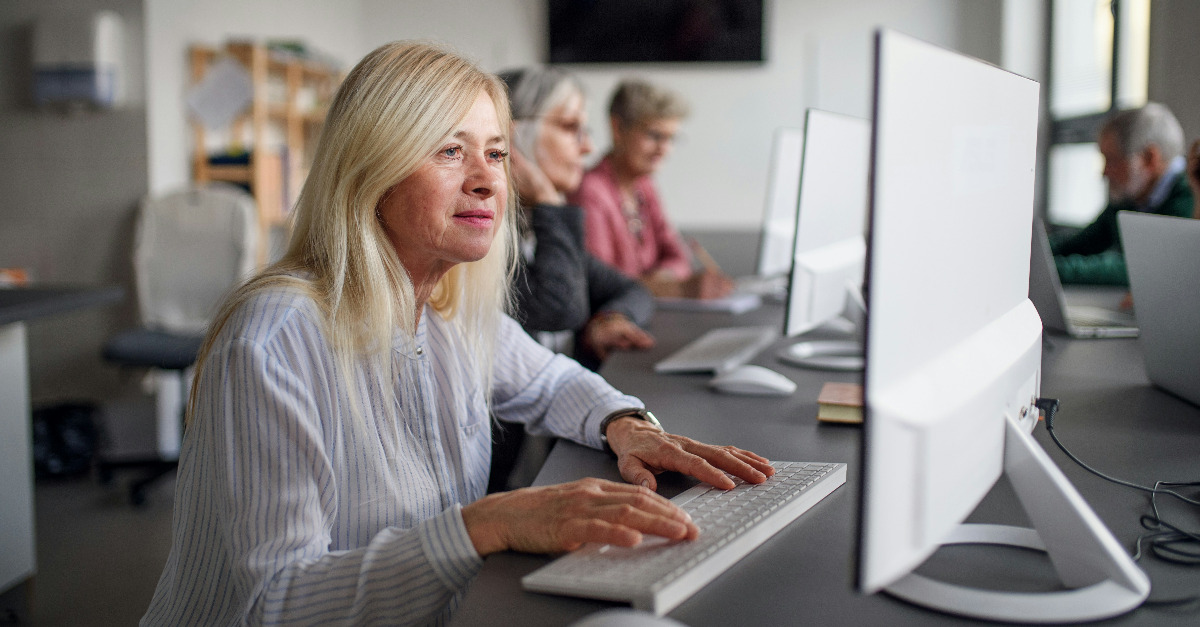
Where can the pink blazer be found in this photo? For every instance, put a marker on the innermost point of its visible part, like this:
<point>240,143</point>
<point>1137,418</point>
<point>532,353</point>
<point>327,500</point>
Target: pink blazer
<point>607,234</point>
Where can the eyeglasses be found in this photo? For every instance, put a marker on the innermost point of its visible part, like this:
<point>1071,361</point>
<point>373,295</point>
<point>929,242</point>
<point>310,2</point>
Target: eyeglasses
<point>578,129</point>
<point>658,137</point>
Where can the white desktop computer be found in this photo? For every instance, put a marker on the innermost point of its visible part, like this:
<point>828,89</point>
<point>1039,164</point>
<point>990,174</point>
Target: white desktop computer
<point>779,217</point>
<point>779,213</point>
<point>827,167</point>
<point>953,347</point>
<point>828,250</point>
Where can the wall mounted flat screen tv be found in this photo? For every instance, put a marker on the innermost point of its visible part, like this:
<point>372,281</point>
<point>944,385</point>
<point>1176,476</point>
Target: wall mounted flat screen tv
<point>658,31</point>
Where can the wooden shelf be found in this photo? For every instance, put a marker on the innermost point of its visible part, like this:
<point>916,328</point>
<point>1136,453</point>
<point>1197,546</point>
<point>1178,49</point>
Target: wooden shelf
<point>230,173</point>
<point>278,129</point>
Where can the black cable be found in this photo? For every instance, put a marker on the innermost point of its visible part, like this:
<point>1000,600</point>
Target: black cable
<point>1049,407</point>
<point>1173,545</point>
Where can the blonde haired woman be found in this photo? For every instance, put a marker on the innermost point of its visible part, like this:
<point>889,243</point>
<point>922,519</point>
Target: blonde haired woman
<point>337,448</point>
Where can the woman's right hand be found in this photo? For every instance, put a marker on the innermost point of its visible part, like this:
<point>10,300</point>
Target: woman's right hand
<point>558,518</point>
<point>707,284</point>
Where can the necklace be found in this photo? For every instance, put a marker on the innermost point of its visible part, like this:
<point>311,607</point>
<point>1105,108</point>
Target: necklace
<point>631,207</point>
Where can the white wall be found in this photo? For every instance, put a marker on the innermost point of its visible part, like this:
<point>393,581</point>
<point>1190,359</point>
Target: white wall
<point>1174,78</point>
<point>69,183</point>
<point>331,26</point>
<point>818,55</point>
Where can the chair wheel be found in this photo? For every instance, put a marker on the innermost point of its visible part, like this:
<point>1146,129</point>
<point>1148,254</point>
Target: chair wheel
<point>137,496</point>
<point>104,474</point>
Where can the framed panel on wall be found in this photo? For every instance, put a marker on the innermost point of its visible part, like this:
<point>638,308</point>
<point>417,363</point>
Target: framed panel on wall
<point>662,31</point>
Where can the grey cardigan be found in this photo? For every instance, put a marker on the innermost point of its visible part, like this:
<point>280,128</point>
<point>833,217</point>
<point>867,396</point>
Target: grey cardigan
<point>564,285</point>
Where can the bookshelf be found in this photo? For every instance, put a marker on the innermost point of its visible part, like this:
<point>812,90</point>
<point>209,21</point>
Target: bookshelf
<point>268,148</point>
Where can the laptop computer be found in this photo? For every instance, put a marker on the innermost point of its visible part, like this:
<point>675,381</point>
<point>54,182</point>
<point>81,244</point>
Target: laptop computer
<point>1161,254</point>
<point>1046,292</point>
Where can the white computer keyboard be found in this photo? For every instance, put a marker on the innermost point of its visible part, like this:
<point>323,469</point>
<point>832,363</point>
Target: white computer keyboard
<point>657,575</point>
<point>719,350</point>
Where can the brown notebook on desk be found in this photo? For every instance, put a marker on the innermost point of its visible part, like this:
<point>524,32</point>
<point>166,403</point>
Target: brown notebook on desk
<point>840,402</point>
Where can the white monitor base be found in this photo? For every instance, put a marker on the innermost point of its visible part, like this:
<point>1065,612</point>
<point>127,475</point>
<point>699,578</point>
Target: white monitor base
<point>824,355</point>
<point>1103,579</point>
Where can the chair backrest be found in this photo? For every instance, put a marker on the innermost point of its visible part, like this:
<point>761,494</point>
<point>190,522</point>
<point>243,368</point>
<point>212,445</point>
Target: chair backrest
<point>191,247</point>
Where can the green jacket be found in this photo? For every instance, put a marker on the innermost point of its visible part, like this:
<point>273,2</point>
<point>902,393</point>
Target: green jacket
<point>1095,256</point>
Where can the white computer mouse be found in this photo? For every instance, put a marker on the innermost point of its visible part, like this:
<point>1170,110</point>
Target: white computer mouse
<point>752,380</point>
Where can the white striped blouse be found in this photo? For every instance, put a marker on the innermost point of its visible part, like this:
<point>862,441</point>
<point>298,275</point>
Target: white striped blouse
<point>290,509</point>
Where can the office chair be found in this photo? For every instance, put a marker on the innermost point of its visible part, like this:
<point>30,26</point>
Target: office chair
<point>191,247</point>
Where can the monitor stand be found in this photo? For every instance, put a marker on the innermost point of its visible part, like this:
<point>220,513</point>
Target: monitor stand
<point>824,355</point>
<point>844,355</point>
<point>1102,579</point>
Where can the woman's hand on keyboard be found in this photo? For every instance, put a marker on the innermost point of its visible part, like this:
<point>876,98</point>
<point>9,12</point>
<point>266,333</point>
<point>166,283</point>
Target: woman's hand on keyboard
<point>557,518</point>
<point>643,451</point>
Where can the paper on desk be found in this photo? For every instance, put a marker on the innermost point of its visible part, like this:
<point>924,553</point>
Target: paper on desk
<point>736,303</point>
<point>223,94</point>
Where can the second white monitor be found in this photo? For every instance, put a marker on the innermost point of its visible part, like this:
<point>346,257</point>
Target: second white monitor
<point>829,249</point>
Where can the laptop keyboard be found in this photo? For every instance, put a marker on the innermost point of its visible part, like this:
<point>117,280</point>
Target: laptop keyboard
<point>1085,316</point>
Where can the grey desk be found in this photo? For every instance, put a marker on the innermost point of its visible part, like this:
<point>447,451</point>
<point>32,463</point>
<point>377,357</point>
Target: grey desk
<point>18,305</point>
<point>1110,416</point>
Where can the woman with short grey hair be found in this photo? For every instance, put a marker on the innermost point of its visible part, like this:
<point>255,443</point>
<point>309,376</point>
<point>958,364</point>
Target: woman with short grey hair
<point>626,224</point>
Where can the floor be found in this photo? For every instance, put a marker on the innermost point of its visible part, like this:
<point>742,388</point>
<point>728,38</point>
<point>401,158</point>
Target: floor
<point>98,557</point>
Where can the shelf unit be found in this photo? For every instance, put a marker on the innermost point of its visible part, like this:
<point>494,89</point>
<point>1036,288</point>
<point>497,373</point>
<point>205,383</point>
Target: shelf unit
<point>290,97</point>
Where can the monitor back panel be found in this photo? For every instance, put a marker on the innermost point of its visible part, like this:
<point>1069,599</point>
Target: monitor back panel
<point>833,180</point>
<point>831,218</point>
<point>953,341</point>
<point>952,201</point>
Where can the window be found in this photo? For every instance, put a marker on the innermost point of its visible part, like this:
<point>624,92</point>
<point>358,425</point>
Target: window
<point>1088,39</point>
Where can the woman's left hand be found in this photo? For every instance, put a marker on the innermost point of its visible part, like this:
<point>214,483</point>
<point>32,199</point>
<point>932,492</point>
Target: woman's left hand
<point>643,450</point>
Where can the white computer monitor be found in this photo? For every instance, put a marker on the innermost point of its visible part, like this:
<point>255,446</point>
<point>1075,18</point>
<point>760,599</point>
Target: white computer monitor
<point>829,250</point>
<point>953,347</point>
<point>779,211</point>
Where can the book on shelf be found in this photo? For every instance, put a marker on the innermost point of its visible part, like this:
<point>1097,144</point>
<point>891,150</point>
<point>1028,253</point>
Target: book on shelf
<point>840,402</point>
